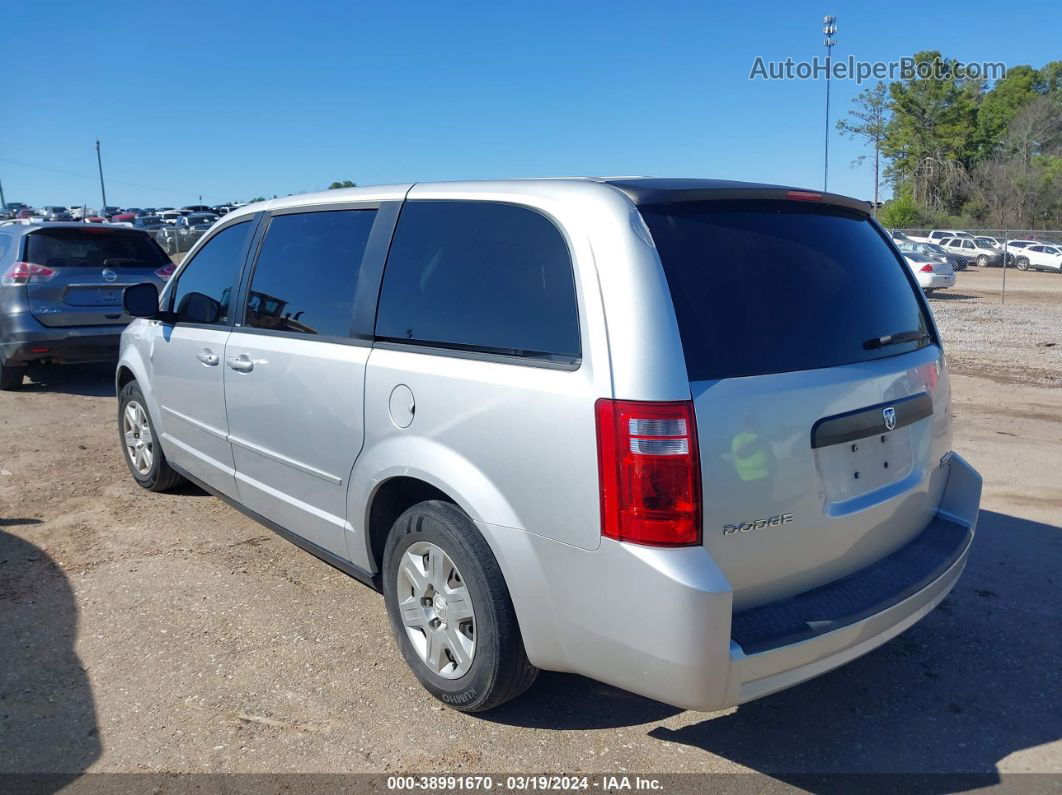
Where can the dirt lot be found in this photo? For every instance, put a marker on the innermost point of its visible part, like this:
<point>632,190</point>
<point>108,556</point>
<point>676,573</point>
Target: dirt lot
<point>147,632</point>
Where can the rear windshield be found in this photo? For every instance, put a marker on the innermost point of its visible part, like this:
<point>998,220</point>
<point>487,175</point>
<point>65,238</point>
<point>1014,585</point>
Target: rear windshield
<point>776,286</point>
<point>93,246</point>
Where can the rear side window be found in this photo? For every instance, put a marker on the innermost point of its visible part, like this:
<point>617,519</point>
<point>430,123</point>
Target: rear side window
<point>480,276</point>
<point>307,272</point>
<point>212,274</point>
<point>93,247</point>
<point>776,286</point>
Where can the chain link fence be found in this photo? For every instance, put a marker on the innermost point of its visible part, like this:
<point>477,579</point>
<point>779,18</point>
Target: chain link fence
<point>176,241</point>
<point>1002,318</point>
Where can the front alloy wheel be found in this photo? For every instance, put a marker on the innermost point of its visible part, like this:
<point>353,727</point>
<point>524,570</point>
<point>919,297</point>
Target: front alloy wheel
<point>436,610</point>
<point>1022,264</point>
<point>143,451</point>
<point>138,440</point>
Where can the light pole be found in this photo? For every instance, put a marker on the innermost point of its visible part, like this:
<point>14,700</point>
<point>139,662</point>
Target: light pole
<point>829,27</point>
<point>99,162</point>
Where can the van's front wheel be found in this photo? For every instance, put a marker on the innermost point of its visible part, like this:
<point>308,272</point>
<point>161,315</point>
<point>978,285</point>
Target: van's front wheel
<point>143,453</point>
<point>450,609</point>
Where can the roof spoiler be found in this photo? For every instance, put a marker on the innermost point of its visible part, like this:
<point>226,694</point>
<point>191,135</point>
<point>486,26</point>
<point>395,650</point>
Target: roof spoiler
<point>654,191</point>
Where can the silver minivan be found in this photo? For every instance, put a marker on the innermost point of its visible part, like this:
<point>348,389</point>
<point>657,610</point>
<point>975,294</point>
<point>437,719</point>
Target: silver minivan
<point>691,438</point>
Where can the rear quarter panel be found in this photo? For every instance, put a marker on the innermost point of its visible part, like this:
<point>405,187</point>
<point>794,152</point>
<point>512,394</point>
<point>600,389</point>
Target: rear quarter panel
<point>514,444</point>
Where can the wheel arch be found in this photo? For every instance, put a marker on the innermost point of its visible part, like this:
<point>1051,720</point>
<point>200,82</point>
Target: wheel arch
<point>130,368</point>
<point>391,499</point>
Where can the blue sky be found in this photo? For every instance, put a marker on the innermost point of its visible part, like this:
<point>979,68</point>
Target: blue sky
<point>235,99</point>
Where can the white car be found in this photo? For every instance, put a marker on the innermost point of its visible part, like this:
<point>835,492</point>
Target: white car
<point>938,235</point>
<point>170,216</point>
<point>1014,245</point>
<point>968,247</point>
<point>1040,257</point>
<point>930,274</point>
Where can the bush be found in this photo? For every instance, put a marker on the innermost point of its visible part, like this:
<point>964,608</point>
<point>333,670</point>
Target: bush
<point>901,213</point>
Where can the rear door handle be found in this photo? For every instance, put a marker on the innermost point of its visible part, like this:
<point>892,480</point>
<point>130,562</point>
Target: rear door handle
<point>241,363</point>
<point>208,357</point>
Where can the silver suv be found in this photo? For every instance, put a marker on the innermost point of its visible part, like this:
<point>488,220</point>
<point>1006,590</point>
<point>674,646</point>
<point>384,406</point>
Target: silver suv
<point>61,291</point>
<point>690,438</point>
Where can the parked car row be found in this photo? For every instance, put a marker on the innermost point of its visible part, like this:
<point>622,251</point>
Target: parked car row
<point>987,250</point>
<point>110,213</point>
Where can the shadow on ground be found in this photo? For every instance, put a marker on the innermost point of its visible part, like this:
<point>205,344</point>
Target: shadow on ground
<point>47,712</point>
<point>91,380</point>
<point>950,296</point>
<point>977,680</point>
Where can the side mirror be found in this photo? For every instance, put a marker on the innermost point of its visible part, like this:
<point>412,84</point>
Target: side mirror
<point>141,300</point>
<point>198,308</point>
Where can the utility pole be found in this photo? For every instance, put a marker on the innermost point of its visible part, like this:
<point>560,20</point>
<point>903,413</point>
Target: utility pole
<point>99,162</point>
<point>3,204</point>
<point>829,28</point>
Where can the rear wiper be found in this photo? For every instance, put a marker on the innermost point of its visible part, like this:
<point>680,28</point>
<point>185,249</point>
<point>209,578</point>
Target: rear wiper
<point>123,261</point>
<point>894,339</point>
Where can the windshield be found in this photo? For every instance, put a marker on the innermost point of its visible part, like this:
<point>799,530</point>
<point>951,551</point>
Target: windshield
<point>776,286</point>
<point>93,246</point>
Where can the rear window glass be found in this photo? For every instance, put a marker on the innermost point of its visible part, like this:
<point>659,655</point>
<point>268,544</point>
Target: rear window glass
<point>483,276</point>
<point>93,247</point>
<point>776,286</point>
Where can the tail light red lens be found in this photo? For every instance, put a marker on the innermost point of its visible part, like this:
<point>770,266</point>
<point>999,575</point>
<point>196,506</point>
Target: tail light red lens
<point>26,272</point>
<point>650,472</point>
<point>166,271</point>
<point>926,269</point>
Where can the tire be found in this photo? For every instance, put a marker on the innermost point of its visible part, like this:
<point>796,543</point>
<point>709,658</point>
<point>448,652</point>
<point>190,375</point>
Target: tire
<point>148,467</point>
<point>928,291</point>
<point>468,678</point>
<point>982,261</point>
<point>1022,264</point>
<point>11,377</point>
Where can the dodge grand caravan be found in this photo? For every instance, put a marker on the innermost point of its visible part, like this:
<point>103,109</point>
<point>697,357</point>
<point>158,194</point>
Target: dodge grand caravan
<point>690,438</point>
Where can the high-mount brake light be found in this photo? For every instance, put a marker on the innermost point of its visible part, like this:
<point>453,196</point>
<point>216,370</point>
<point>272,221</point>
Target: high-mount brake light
<point>804,196</point>
<point>650,472</point>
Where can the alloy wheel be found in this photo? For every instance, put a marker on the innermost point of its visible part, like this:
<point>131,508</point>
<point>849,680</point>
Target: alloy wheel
<point>138,439</point>
<point>436,610</point>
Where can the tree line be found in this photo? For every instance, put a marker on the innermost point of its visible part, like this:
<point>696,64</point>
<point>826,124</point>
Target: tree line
<point>957,153</point>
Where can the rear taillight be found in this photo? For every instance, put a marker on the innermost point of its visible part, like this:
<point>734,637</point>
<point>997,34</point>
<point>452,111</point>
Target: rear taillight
<point>26,272</point>
<point>166,271</point>
<point>650,472</point>
<point>926,269</point>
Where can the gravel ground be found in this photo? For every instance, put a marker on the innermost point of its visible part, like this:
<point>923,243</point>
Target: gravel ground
<point>148,633</point>
<point>1017,340</point>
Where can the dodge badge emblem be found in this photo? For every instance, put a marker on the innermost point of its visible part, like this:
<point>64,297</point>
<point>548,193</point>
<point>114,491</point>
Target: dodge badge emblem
<point>890,417</point>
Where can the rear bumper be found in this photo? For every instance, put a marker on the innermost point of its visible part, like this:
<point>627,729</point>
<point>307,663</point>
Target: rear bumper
<point>26,341</point>
<point>659,622</point>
